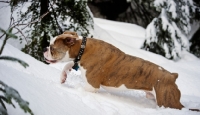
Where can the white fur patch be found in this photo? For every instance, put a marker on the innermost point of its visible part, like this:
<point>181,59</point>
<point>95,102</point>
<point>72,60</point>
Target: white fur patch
<point>153,92</point>
<point>87,86</point>
<point>66,69</point>
<point>160,68</point>
<point>120,88</point>
<point>53,40</point>
<point>47,54</point>
<point>66,58</point>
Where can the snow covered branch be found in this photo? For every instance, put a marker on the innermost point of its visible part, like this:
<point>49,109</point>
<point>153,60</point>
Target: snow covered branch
<point>9,95</point>
<point>17,23</point>
<point>167,34</point>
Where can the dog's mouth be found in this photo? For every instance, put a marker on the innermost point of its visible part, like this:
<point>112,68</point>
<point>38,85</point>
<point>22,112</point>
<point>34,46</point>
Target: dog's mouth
<point>50,61</point>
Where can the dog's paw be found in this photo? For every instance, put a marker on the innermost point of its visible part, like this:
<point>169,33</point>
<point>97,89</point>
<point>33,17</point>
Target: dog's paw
<point>63,77</point>
<point>67,68</point>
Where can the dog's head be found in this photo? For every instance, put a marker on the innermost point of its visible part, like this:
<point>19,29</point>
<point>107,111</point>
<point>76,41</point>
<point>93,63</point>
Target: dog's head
<point>58,49</point>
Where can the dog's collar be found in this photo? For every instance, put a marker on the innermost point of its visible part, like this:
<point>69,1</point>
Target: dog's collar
<point>80,53</point>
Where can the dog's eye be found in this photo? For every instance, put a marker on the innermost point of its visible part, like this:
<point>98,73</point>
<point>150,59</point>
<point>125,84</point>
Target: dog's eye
<point>51,48</point>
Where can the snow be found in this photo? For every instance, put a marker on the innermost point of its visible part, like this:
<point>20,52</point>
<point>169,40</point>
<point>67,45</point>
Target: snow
<point>5,15</point>
<point>178,10</point>
<point>172,9</point>
<point>39,84</point>
<point>179,30</point>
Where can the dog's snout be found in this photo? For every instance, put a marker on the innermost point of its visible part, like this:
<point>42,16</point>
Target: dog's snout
<point>45,49</point>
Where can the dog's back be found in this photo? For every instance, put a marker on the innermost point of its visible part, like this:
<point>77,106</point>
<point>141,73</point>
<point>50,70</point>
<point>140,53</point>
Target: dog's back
<point>109,66</point>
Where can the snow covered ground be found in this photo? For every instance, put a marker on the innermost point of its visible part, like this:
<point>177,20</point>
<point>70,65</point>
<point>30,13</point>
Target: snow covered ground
<point>39,84</point>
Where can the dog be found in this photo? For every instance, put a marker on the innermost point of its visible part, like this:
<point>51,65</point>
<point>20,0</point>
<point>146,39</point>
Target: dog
<point>102,64</point>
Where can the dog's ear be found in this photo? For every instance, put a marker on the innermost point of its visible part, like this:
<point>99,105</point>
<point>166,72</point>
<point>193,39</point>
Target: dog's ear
<point>69,41</point>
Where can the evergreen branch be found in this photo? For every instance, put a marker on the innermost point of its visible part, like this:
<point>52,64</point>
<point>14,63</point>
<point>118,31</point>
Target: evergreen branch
<point>147,15</point>
<point>61,31</point>
<point>24,64</point>
<point>43,16</point>
<point>21,33</point>
<point>1,101</point>
<point>18,24</point>
<point>32,22</point>
<point>133,13</point>
<point>2,90</point>
<point>11,18</point>
<point>8,35</point>
<point>4,43</point>
<point>10,94</point>
<point>2,35</point>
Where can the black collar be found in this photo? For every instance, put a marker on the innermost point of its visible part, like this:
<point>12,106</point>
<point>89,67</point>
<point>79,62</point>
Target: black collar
<point>80,53</point>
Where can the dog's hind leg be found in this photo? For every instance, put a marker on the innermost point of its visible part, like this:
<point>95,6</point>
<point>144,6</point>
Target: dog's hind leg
<point>168,95</point>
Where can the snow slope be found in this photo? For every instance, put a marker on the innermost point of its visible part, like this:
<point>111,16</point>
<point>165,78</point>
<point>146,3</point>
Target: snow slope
<point>39,83</point>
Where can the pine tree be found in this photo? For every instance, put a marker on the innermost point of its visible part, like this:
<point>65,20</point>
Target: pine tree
<point>56,17</point>
<point>8,94</point>
<point>195,40</point>
<point>138,12</point>
<point>195,44</point>
<point>166,34</point>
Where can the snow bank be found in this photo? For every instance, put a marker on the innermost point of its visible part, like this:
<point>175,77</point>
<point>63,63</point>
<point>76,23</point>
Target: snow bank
<point>39,84</point>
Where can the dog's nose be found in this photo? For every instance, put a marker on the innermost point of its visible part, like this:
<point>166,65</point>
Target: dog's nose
<point>45,49</point>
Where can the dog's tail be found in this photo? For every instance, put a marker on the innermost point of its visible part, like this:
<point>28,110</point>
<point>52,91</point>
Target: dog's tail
<point>175,75</point>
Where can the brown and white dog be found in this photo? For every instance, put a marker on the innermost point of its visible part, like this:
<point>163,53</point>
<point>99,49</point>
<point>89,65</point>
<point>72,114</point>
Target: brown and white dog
<point>102,64</point>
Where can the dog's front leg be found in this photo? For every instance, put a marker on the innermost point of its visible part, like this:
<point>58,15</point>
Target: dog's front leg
<point>66,69</point>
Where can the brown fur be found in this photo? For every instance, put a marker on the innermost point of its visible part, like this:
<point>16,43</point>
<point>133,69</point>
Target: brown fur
<point>107,65</point>
<point>61,45</point>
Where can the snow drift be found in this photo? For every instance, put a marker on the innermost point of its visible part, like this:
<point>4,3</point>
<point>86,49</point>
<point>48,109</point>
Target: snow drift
<point>39,84</point>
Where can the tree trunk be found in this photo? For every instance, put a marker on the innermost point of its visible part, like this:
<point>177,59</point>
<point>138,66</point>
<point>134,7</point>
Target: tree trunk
<point>44,5</point>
